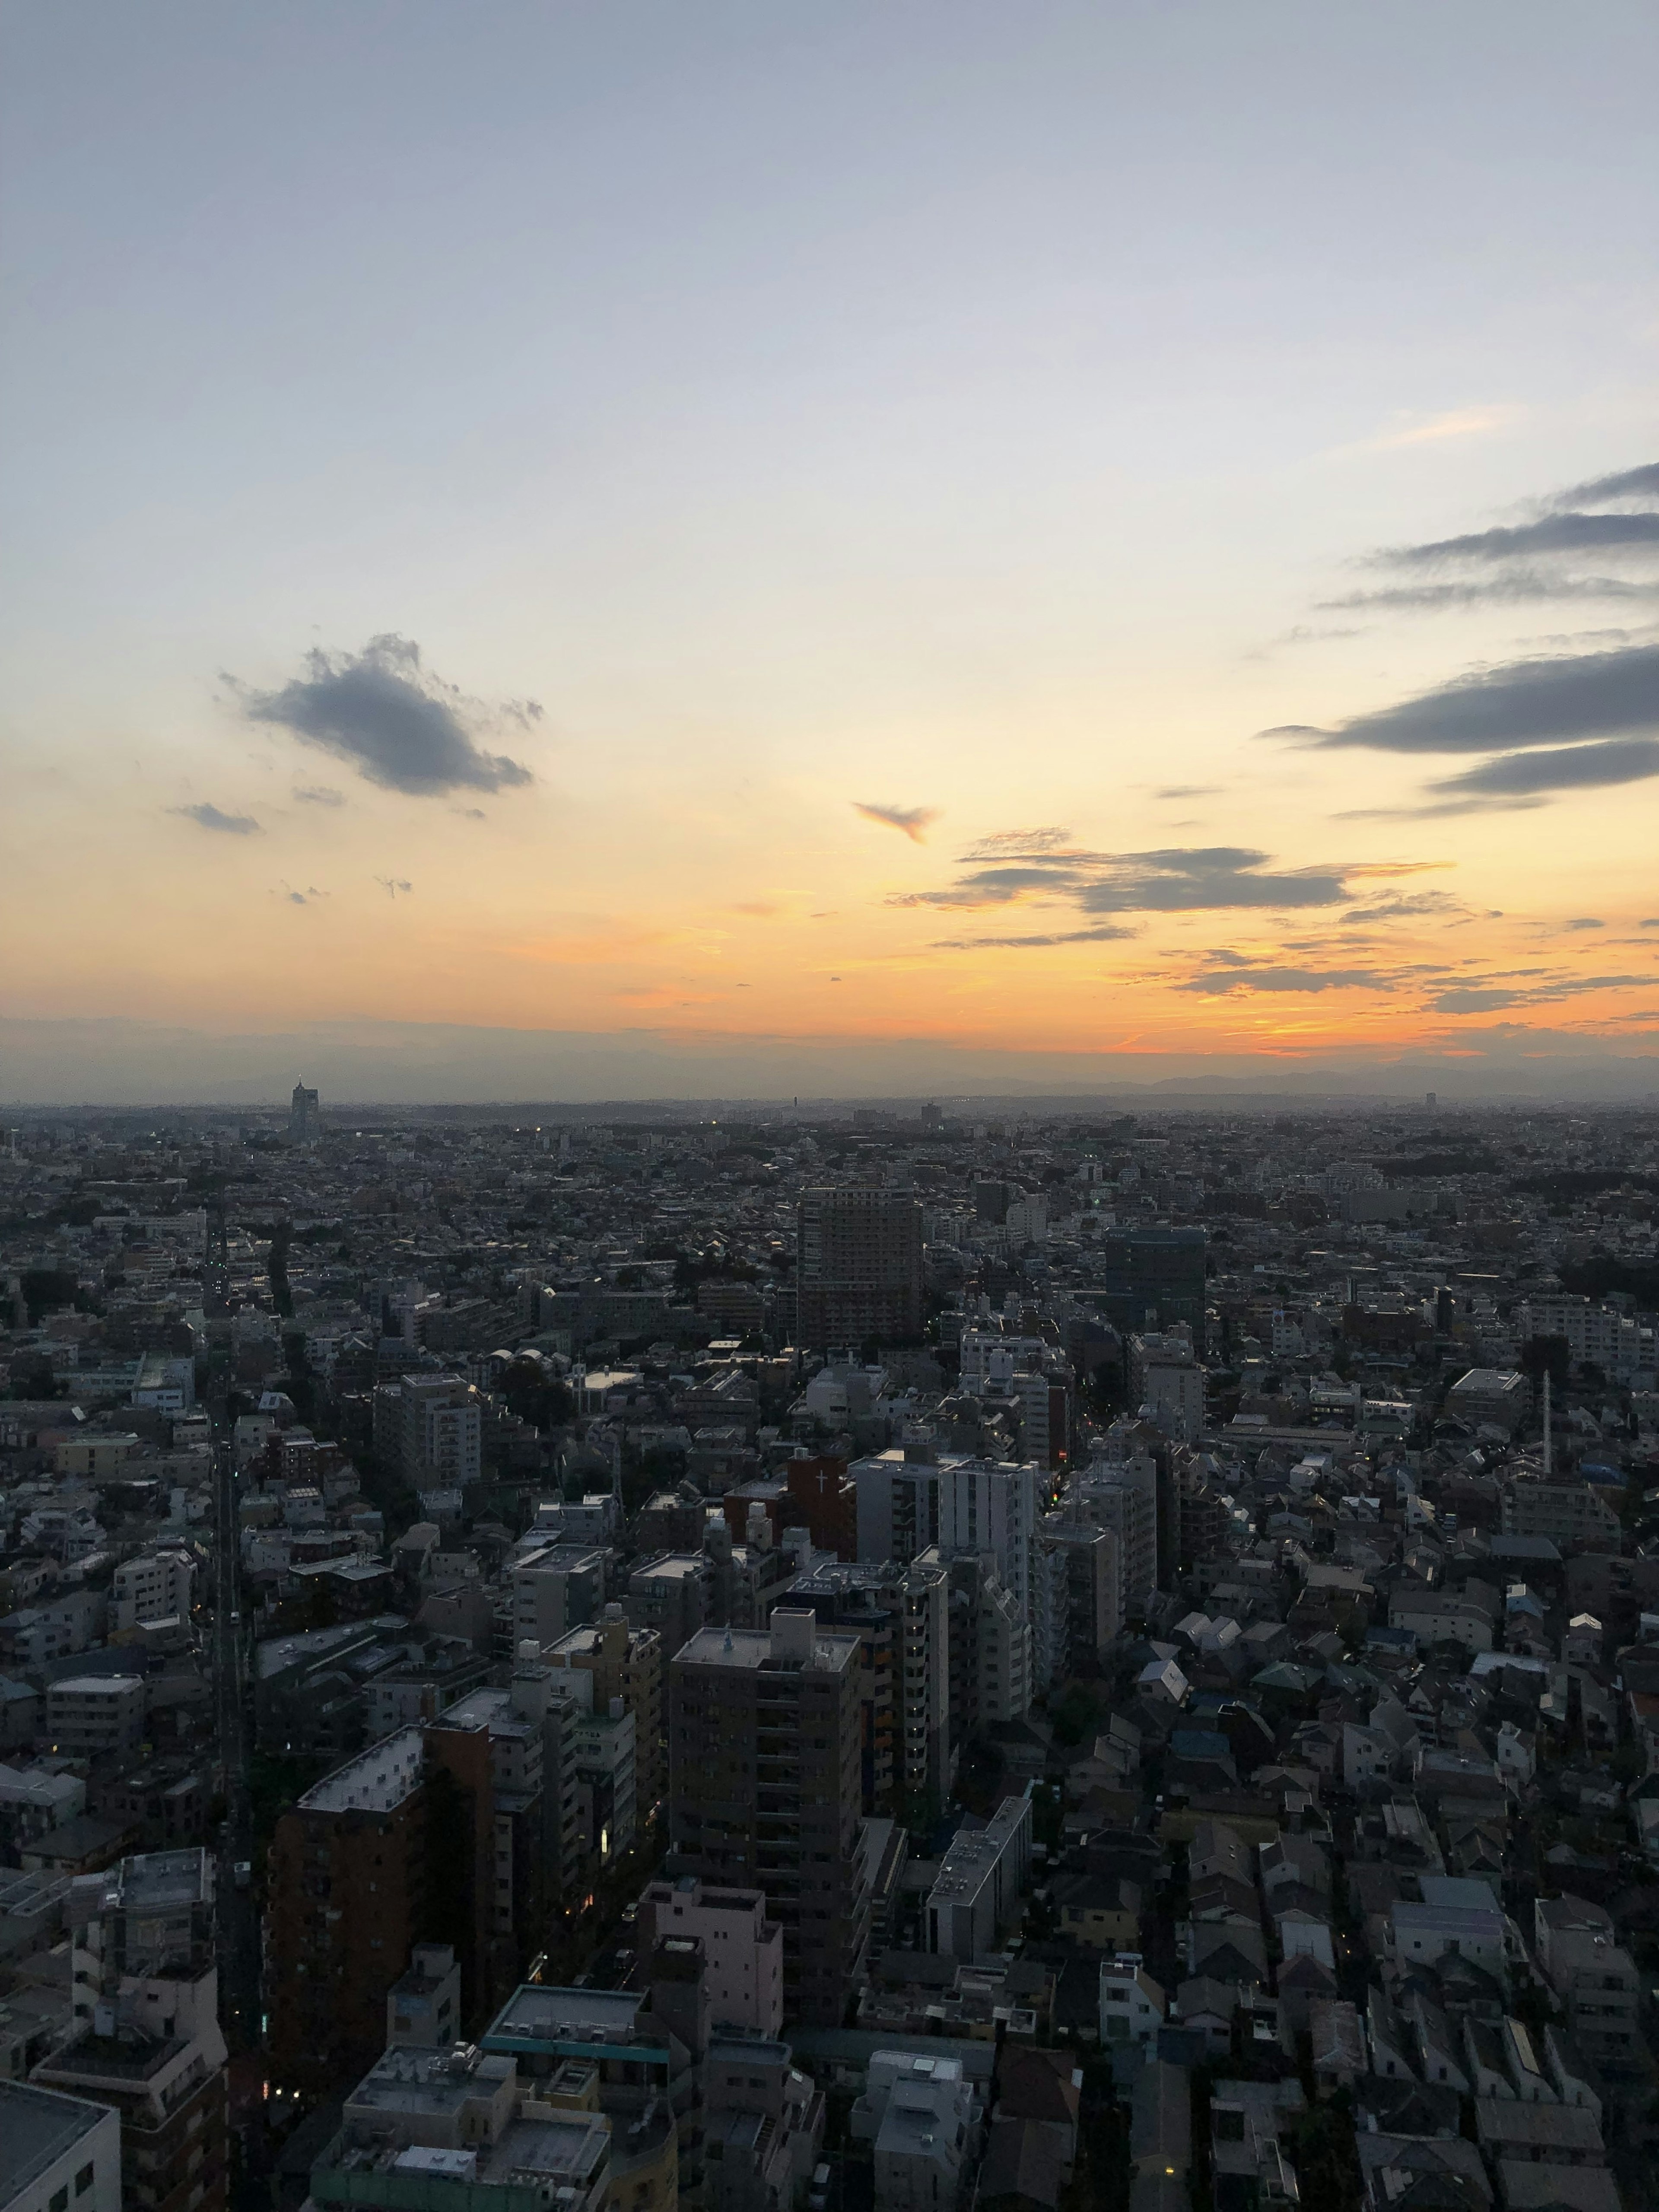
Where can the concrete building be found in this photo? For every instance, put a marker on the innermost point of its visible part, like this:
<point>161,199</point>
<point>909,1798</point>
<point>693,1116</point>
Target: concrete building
<point>901,1618</point>
<point>976,1893</point>
<point>153,1587</point>
<point>553,1590</point>
<point>923,2119</point>
<point>445,2129</point>
<point>859,1273</point>
<point>57,2151</point>
<point>1492,1395</point>
<point>90,1716</point>
<point>145,2038</point>
<point>763,1791</point>
<point>441,1431</point>
<point>625,1662</point>
<point>1132,2004</point>
<point>743,1948</point>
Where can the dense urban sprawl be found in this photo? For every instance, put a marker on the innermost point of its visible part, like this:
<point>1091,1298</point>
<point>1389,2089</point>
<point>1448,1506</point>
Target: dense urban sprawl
<point>798,1658</point>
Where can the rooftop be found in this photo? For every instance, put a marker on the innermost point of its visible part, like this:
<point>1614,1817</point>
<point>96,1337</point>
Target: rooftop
<point>36,2128</point>
<point>377,1781</point>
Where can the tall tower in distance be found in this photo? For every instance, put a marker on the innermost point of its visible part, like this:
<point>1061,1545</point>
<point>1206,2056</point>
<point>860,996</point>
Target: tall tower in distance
<point>302,1120</point>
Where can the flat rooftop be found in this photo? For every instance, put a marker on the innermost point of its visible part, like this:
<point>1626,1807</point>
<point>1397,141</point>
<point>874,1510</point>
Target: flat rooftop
<point>753,1648</point>
<point>36,2128</point>
<point>378,1780</point>
<point>537,2014</point>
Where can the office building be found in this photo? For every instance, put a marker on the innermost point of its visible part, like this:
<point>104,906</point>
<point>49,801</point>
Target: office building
<point>145,2038</point>
<point>859,1273</point>
<point>764,1793</point>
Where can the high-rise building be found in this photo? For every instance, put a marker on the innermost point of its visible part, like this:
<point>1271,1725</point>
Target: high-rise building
<point>859,1273</point>
<point>625,1664</point>
<point>960,1503</point>
<point>743,1948</point>
<point>764,1731</point>
<point>146,2040</point>
<point>1152,1278</point>
<point>441,1434</point>
<point>302,1120</point>
<point>404,1845</point>
<point>901,1616</point>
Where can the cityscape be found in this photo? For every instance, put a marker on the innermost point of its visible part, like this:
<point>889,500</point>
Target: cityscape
<point>829,1106</point>
<point>920,1654</point>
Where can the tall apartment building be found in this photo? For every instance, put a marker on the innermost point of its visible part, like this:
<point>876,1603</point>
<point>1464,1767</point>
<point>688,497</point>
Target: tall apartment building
<point>1123,1495</point>
<point>146,2041</point>
<point>1078,1584</point>
<point>624,1662</point>
<point>901,1616</point>
<point>1168,1381</point>
<point>552,1590</point>
<point>441,1443</point>
<point>763,1791</point>
<point>960,1503</point>
<point>1612,1341</point>
<point>404,1843</point>
<point>858,1272</point>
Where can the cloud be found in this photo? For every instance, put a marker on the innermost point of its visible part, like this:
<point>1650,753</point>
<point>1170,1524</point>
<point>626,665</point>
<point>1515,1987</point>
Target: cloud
<point>209,817</point>
<point>1527,702</point>
<point>1558,533</point>
<point>1218,982</point>
<point>1639,482</point>
<point>1567,767</point>
<point>392,884</point>
<point>1584,921</point>
<point>1612,519</point>
<point>1100,934</point>
<point>319,794</point>
<point>1187,790</point>
<point>1045,868</point>
<point>911,821</point>
<point>1406,906</point>
<point>396,722</point>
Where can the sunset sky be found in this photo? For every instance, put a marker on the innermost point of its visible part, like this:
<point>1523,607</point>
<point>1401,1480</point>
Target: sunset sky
<point>603,549</point>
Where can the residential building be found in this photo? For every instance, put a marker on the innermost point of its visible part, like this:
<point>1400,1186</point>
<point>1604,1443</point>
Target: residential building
<point>923,2120</point>
<point>90,1716</point>
<point>743,1948</point>
<point>1132,2004</point>
<point>145,2037</point>
<point>858,1272</point>
<point>975,1893</point>
<point>56,2152</point>
<point>763,1791</point>
<point>625,1662</point>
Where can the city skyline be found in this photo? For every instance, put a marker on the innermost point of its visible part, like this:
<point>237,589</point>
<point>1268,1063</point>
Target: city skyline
<point>618,555</point>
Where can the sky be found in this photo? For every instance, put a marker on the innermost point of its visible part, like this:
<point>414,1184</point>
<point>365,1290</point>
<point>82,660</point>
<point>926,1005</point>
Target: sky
<point>630,549</point>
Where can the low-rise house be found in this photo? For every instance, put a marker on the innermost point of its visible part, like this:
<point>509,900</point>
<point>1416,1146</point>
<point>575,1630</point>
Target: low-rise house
<point>1132,2004</point>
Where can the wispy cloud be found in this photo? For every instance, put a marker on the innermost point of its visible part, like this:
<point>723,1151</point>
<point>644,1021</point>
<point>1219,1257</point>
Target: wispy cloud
<point>398,724</point>
<point>209,816</point>
<point>1566,768</point>
<point>911,822</point>
<point>393,885</point>
<point>1572,697</point>
<point>1101,933</point>
<point>319,794</point>
<point>1044,867</point>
